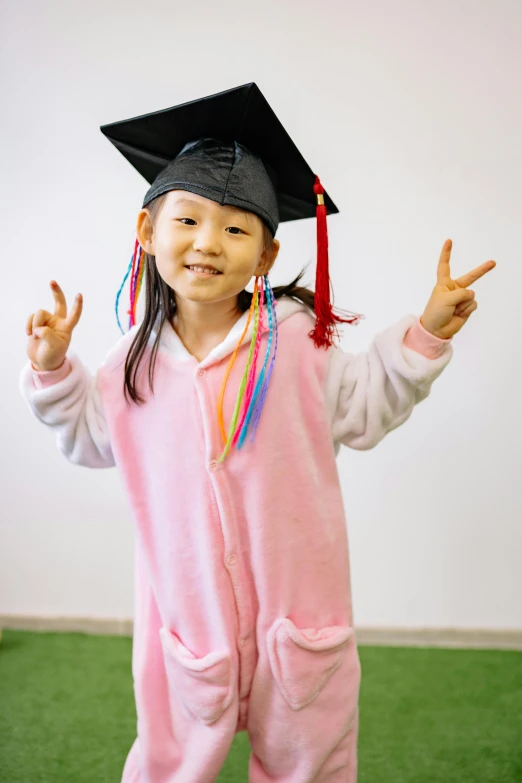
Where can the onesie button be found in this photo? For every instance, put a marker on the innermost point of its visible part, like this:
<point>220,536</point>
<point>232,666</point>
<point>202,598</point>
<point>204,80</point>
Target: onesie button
<point>232,559</point>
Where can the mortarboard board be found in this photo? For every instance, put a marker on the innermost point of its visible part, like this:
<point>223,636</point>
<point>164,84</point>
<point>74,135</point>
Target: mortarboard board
<point>231,147</point>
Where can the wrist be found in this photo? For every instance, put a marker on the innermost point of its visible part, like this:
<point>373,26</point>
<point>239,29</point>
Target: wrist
<point>47,369</point>
<point>431,332</point>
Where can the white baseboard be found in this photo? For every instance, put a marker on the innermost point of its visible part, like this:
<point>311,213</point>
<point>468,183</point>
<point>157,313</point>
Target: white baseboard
<point>92,625</point>
<point>466,638</point>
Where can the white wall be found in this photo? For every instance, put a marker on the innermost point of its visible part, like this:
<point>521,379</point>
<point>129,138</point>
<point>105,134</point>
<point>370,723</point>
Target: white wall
<point>410,114</point>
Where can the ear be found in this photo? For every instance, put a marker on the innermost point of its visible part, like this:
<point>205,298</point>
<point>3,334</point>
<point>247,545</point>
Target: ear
<point>145,232</point>
<point>268,257</point>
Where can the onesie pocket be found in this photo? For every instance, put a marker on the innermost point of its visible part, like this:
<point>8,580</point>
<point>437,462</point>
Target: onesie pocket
<point>303,660</point>
<point>202,685</point>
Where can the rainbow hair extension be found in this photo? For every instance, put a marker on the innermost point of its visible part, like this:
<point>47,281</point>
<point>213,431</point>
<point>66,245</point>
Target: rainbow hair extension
<point>254,400</point>
<point>272,318</point>
<point>251,378</point>
<point>136,269</point>
<point>254,309</point>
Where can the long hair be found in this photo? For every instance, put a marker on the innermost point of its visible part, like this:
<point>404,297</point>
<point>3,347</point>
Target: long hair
<point>160,306</point>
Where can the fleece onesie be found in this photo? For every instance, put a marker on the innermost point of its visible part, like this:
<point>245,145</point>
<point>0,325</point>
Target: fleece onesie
<point>243,611</point>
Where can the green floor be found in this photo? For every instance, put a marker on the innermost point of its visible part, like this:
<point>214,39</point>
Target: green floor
<point>67,713</point>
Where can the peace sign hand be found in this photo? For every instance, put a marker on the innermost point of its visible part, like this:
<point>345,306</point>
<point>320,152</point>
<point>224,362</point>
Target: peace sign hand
<point>451,303</point>
<point>50,333</point>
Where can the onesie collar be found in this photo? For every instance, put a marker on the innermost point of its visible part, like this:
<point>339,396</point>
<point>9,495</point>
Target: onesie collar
<point>172,344</point>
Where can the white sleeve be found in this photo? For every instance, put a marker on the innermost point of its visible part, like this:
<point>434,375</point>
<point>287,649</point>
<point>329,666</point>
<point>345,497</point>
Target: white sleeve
<point>68,401</point>
<point>371,393</point>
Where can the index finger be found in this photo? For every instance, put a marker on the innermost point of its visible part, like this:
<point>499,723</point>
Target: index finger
<point>443,269</point>
<point>60,305</point>
<point>470,277</point>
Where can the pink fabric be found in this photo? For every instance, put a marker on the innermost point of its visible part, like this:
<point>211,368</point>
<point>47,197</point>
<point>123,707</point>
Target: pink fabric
<point>243,611</point>
<point>44,378</point>
<point>243,579</point>
<point>419,339</point>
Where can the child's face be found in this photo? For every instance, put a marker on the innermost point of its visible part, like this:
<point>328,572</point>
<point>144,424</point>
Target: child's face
<point>193,230</point>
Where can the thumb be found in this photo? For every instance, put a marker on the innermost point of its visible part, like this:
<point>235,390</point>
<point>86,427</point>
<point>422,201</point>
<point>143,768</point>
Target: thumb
<point>46,334</point>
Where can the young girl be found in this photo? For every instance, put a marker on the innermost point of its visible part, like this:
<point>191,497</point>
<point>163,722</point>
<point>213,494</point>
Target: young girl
<point>224,412</point>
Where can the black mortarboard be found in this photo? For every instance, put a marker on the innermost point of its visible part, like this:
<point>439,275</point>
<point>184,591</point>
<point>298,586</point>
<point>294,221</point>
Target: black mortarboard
<point>230,147</point>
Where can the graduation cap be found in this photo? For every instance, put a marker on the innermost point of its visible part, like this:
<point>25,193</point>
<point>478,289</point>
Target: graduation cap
<point>231,147</point>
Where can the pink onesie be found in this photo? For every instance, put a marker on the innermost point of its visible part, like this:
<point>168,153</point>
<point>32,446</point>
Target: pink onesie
<point>243,613</point>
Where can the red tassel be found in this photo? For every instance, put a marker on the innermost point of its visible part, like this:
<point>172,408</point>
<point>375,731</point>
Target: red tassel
<point>326,320</point>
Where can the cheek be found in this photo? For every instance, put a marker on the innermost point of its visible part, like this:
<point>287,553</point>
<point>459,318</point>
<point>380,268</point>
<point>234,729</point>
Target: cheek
<point>244,264</point>
<point>170,252</point>
<point>240,276</point>
<point>169,244</point>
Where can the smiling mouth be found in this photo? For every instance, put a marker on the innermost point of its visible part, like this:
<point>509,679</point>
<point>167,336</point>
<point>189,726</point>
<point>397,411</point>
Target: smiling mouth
<point>203,270</point>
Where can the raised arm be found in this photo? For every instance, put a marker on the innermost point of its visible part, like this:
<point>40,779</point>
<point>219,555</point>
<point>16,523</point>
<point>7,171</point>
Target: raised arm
<point>59,390</point>
<point>373,392</point>
<point>68,401</point>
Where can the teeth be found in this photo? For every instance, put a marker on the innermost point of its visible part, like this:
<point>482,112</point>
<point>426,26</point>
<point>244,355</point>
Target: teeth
<point>202,269</point>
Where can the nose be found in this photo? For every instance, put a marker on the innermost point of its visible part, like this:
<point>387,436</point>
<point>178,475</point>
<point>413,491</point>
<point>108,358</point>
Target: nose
<point>206,240</point>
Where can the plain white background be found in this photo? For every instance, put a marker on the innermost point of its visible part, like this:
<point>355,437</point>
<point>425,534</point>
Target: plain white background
<point>410,114</point>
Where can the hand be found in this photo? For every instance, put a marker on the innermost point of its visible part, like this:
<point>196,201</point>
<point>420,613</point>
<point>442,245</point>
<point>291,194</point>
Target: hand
<point>50,333</point>
<point>451,303</point>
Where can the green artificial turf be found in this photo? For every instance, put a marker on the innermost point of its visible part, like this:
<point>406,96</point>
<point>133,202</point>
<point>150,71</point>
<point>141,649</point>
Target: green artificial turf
<point>67,713</point>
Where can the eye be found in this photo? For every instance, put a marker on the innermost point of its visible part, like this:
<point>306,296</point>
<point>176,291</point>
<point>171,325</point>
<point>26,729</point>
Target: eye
<point>234,228</point>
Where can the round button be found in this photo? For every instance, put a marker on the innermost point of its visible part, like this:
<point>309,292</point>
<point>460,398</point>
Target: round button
<point>201,373</point>
<point>244,641</point>
<point>213,464</point>
<point>232,559</point>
